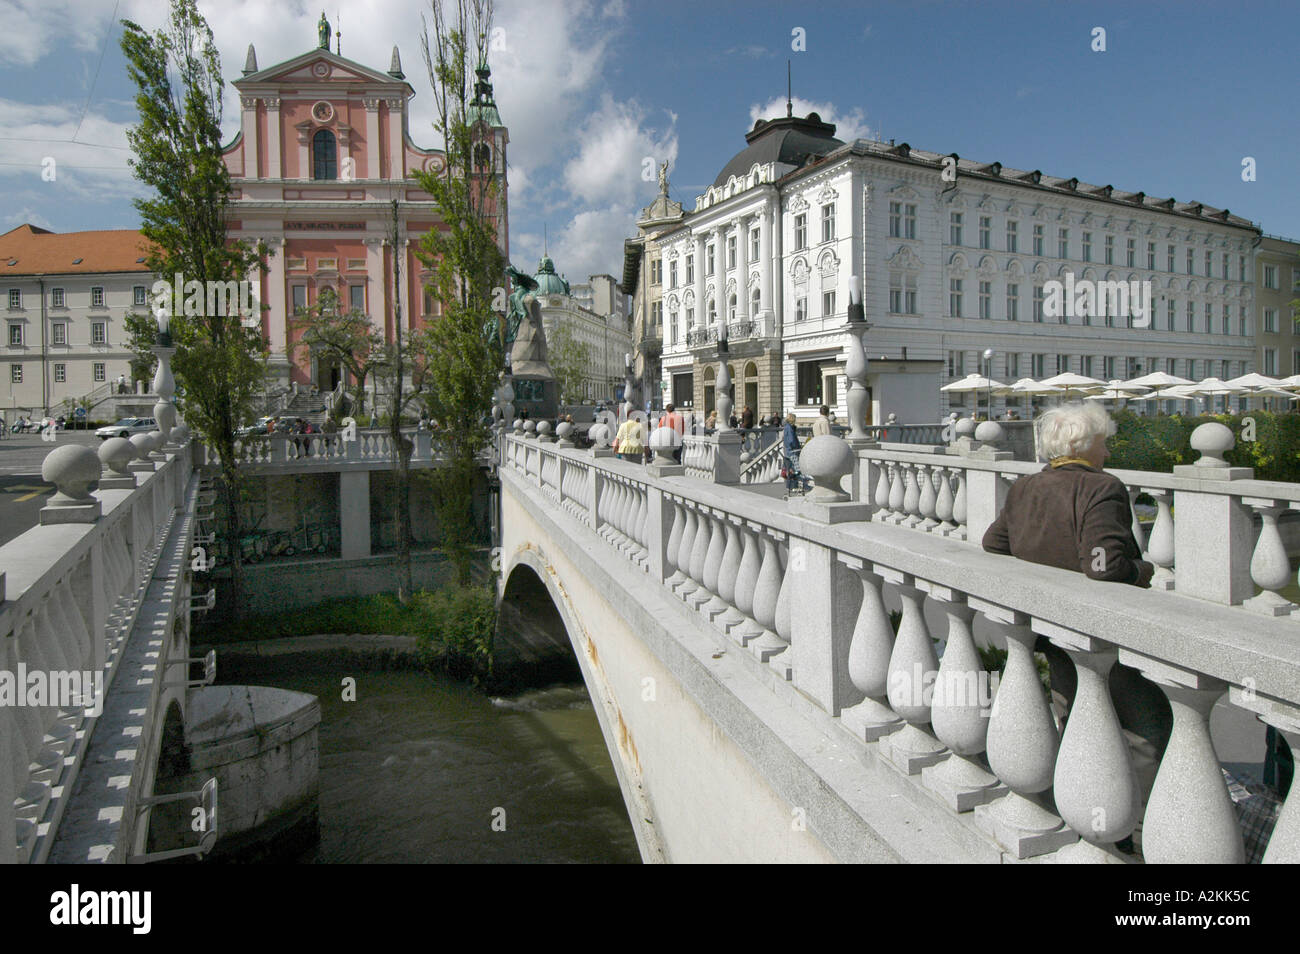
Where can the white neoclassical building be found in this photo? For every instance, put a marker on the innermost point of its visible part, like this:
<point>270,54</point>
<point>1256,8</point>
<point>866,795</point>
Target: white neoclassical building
<point>595,314</point>
<point>954,257</point>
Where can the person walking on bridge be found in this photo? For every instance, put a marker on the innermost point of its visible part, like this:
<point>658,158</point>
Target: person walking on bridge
<point>670,418</point>
<point>822,425</point>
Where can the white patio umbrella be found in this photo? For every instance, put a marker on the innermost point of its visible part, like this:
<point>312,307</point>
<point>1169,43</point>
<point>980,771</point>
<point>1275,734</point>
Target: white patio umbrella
<point>1027,388</point>
<point>1069,382</point>
<point>974,383</point>
<point>1158,379</point>
<point>1214,387</point>
<point>1276,393</point>
<point>1256,385</point>
<point>1117,391</point>
<point>1177,392</point>
<point>1291,382</point>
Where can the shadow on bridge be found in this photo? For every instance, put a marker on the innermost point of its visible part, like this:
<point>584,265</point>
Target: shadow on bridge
<point>531,647</point>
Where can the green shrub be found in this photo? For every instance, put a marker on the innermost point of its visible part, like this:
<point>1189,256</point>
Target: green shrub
<point>1159,443</point>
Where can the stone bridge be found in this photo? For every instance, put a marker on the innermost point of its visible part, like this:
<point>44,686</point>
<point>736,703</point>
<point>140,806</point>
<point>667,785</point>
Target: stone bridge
<point>761,704</point>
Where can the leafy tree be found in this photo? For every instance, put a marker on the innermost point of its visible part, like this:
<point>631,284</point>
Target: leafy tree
<point>346,337</point>
<point>141,333</point>
<point>176,151</point>
<point>569,359</point>
<point>463,360</point>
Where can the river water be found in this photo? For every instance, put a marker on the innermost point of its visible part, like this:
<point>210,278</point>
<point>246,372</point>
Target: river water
<point>422,768</point>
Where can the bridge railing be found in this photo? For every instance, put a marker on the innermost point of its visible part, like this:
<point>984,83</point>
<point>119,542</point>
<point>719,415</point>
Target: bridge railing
<point>370,446</point>
<point>803,588</point>
<point>70,594</point>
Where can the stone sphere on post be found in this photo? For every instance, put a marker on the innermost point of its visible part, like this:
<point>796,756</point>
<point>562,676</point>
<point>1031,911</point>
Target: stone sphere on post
<point>72,468</point>
<point>1212,440</point>
<point>664,441</point>
<point>530,428</point>
<point>564,431</point>
<point>599,434</point>
<point>114,454</point>
<point>988,432</point>
<point>827,459</point>
<point>544,431</point>
<point>142,444</point>
<point>964,428</point>
<point>180,433</point>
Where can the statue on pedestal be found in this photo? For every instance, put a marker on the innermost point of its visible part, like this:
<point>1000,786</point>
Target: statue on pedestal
<point>323,32</point>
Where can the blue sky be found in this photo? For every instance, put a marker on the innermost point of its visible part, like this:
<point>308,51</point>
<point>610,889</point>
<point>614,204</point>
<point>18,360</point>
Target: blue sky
<point>589,88</point>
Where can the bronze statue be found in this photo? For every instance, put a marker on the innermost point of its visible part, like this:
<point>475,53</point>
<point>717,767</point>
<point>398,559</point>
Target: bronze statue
<point>517,310</point>
<point>323,32</point>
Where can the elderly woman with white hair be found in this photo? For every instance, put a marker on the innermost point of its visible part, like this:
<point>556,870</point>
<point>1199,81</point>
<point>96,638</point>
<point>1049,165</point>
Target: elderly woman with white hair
<point>1072,514</point>
<point>1075,516</point>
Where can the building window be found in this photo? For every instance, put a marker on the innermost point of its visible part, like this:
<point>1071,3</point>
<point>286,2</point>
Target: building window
<point>800,308</point>
<point>299,298</point>
<point>1209,264</point>
<point>1063,243</point>
<point>672,327</point>
<point>1108,364</point>
<point>954,297</point>
<point>808,378</point>
<point>15,334</point>
<point>1087,246</point>
<point>1087,366</point>
<point>828,304</point>
<point>1013,236</point>
<point>1013,303</point>
<point>1110,249</point>
<point>15,299</point>
<point>956,364</point>
<point>1241,322</point>
<point>1130,252</point>
<point>1190,269</point>
<point>1227,320</point>
<point>731,251</point>
<point>1013,364</point>
<point>1172,313</point>
<point>1038,240</point>
<point>731,308</point>
<point>1038,303</point>
<point>324,155</point>
<point>1062,363</point>
<point>690,318</point>
<point>60,333</point>
<point>1225,265</point>
<point>672,274</point>
<point>690,269</point>
<point>60,373</point>
<point>801,231</point>
<point>828,222</point>
<point>1270,361</point>
<point>895,220</point>
<point>1209,318</point>
<point>97,296</point>
<point>986,297</point>
<point>1037,365</point>
<point>357,299</point>
<point>137,295</point>
<point>1270,281</point>
<point>986,231</point>
<point>1241,268</point>
<point>1191,316</point>
<point>895,293</point>
<point>98,332</point>
<point>1295,360</point>
<point>954,228</point>
<point>15,374</point>
<point>1151,256</point>
<point>98,367</point>
<point>753,245</point>
<point>56,298</point>
<point>708,260</point>
<point>1169,259</point>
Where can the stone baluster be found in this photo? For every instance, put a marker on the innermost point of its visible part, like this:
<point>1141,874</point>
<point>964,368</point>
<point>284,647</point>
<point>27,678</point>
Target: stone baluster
<point>1160,545</point>
<point>774,650</point>
<point>959,713</point>
<point>1095,787</point>
<point>687,585</point>
<point>943,504</point>
<point>912,497</point>
<point>699,558</point>
<point>1189,815</point>
<point>767,595</point>
<point>1022,746</point>
<point>929,498</point>
<point>883,511</point>
<point>870,649</point>
<point>642,517</point>
<point>713,567</point>
<point>1284,844</point>
<point>959,505</point>
<point>747,578</point>
<point>897,494</point>
<point>1269,566</point>
<point>728,575</point>
<point>912,665</point>
<point>671,565</point>
<point>1136,524</point>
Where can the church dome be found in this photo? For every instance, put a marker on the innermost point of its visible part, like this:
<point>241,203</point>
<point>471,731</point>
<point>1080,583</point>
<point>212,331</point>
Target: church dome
<point>549,283</point>
<point>789,141</point>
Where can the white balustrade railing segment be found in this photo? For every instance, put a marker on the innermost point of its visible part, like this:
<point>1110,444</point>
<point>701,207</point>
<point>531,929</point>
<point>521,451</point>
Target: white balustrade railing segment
<point>764,467</point>
<point>807,598</point>
<point>699,456</point>
<point>370,446</point>
<point>72,594</point>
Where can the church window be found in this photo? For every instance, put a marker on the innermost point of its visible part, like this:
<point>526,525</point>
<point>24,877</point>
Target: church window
<point>324,154</point>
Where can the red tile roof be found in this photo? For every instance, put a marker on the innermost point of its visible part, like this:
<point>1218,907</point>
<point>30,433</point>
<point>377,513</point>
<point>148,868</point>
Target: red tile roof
<point>28,250</point>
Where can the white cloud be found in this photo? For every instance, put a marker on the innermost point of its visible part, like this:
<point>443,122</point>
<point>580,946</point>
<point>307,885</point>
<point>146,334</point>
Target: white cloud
<point>35,28</point>
<point>614,10</point>
<point>38,144</point>
<point>619,157</point>
<point>592,243</point>
<point>849,126</point>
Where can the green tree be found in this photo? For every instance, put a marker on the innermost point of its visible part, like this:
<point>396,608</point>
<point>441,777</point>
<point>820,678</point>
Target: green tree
<point>569,359</point>
<point>346,337</point>
<point>141,335</point>
<point>176,152</point>
<point>463,360</point>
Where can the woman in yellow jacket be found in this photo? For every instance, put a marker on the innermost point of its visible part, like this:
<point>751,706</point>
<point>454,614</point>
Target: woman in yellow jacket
<point>630,441</point>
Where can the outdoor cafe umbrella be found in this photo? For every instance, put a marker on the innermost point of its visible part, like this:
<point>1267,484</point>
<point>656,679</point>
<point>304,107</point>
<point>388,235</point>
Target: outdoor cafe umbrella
<point>1291,382</point>
<point>1117,391</point>
<point>1028,388</point>
<point>1070,382</point>
<point>1213,387</point>
<point>1157,379</point>
<point>1256,384</point>
<point>975,383</point>
<point>1176,392</point>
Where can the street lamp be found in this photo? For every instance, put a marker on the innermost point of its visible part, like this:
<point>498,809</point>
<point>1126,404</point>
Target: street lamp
<point>988,379</point>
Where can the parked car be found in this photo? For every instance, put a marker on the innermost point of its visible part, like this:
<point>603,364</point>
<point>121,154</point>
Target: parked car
<point>257,428</point>
<point>126,427</point>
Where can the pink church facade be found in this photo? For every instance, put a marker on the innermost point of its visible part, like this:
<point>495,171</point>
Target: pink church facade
<point>323,150</point>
